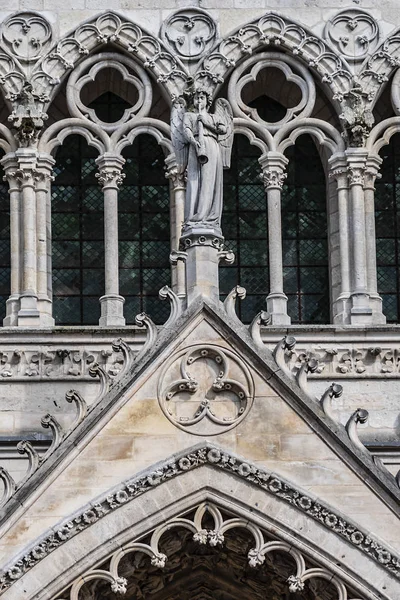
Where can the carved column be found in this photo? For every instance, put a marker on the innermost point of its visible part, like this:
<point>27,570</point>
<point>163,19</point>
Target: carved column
<point>44,177</point>
<point>273,174</point>
<point>361,311</point>
<point>177,208</point>
<point>10,165</point>
<point>371,174</point>
<point>341,312</point>
<point>110,177</point>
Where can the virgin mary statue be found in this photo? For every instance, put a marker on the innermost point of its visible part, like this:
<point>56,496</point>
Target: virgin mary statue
<point>202,142</point>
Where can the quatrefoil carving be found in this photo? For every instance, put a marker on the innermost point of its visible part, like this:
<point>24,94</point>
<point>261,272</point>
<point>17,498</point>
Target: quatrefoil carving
<point>205,389</point>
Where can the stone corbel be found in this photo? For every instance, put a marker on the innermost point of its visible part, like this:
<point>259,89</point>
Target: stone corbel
<point>110,177</point>
<point>273,166</point>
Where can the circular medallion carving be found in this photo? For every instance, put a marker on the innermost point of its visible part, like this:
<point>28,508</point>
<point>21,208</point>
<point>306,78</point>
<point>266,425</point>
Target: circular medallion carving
<point>354,33</point>
<point>190,33</point>
<point>26,35</point>
<point>205,389</point>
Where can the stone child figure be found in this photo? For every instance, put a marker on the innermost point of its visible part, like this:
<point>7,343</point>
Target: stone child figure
<point>202,142</point>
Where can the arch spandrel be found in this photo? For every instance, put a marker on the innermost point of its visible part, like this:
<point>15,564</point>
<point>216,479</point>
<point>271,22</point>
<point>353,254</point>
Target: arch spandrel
<point>276,32</point>
<point>267,420</point>
<point>101,31</point>
<point>133,517</point>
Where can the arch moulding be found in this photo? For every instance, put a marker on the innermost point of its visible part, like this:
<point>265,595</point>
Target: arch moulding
<point>204,473</point>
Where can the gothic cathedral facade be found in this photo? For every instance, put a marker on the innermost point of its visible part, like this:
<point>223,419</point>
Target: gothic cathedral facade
<point>200,300</point>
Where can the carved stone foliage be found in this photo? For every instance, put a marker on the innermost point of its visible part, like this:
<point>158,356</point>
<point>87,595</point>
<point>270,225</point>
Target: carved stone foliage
<point>56,363</point>
<point>354,33</point>
<point>346,361</point>
<point>190,33</point>
<point>205,389</point>
<point>275,31</point>
<point>251,71</point>
<point>26,35</point>
<point>214,535</point>
<point>357,117</point>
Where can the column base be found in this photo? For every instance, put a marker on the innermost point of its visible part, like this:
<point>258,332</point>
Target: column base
<point>277,308</point>
<point>12,308</point>
<point>366,309</point>
<point>28,313</point>
<point>342,307</point>
<point>112,311</point>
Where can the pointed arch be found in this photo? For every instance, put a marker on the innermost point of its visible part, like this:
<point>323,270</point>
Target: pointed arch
<point>277,31</point>
<point>171,489</point>
<point>378,68</point>
<point>96,32</point>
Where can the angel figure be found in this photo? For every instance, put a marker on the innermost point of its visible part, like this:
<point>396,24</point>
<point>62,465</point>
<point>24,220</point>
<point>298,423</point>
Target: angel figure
<point>202,142</point>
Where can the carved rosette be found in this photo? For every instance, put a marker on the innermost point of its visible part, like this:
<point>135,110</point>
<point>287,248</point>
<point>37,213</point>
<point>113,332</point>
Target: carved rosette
<point>205,390</point>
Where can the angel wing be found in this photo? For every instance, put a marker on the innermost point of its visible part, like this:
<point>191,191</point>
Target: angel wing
<point>347,115</point>
<point>224,115</point>
<point>179,143</point>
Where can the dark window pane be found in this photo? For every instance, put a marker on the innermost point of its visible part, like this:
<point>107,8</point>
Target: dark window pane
<point>387,228</point>
<point>144,226</point>
<point>244,225</point>
<point>78,228</point>
<point>304,232</point>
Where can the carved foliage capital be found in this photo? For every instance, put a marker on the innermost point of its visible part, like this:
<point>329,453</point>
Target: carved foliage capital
<point>273,177</point>
<point>110,177</point>
<point>356,175</point>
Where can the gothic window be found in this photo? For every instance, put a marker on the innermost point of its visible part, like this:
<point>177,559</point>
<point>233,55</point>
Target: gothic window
<point>144,239</point>
<point>304,233</point>
<point>78,228</point>
<point>387,222</point>
<point>5,269</point>
<point>244,226</point>
<point>78,235</point>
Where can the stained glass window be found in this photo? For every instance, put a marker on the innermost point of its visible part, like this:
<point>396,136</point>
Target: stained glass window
<point>78,228</point>
<point>144,238</point>
<point>304,232</point>
<point>5,269</point>
<point>244,226</point>
<point>387,223</point>
<point>78,235</point>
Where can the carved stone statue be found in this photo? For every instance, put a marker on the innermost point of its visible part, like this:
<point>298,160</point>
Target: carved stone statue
<point>202,142</point>
<point>357,118</point>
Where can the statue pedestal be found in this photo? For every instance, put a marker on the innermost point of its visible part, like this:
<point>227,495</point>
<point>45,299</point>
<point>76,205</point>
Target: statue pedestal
<point>203,247</point>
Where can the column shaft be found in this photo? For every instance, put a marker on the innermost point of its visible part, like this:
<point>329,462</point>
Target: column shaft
<point>110,177</point>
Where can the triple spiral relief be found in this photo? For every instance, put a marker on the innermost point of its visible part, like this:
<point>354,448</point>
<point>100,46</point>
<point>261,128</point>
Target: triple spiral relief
<point>205,389</point>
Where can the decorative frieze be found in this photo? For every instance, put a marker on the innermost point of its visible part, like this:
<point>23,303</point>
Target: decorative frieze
<point>270,483</point>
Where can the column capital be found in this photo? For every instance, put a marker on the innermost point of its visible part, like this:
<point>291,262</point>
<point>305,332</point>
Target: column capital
<point>273,165</point>
<point>110,170</point>
<point>372,171</point>
<point>356,165</point>
<point>174,173</point>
